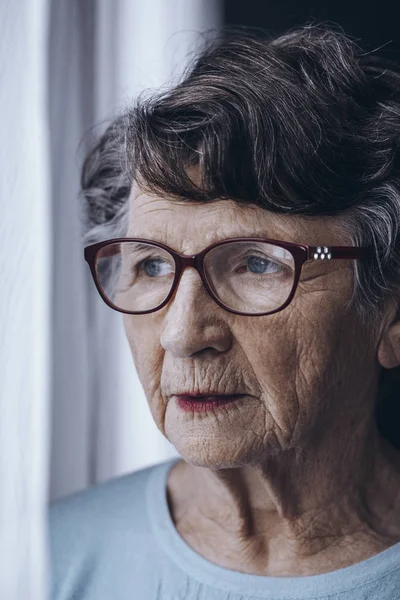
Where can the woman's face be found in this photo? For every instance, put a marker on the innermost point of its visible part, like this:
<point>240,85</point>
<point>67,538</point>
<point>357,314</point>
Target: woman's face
<point>306,371</point>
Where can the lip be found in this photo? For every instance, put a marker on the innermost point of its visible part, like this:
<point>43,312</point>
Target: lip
<point>191,403</point>
<point>205,393</point>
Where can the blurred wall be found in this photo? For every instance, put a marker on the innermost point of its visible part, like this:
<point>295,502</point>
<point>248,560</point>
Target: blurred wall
<point>374,22</point>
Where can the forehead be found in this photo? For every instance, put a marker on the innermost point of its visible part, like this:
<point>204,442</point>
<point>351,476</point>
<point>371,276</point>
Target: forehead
<point>186,223</point>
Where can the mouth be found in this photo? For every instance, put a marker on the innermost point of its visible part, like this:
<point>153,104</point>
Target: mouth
<point>197,403</point>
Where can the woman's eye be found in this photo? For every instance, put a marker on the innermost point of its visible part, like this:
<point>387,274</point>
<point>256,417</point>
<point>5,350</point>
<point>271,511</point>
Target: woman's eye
<point>262,266</point>
<point>153,267</point>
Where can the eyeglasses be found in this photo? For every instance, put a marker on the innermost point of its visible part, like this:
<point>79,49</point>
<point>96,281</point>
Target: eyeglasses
<point>245,276</point>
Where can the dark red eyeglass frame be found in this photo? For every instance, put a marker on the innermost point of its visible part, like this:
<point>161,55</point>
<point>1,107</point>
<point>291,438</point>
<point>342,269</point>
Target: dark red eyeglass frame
<point>300,252</point>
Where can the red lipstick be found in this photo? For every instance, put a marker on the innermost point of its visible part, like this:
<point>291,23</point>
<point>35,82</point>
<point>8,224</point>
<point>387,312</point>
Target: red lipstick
<point>205,403</point>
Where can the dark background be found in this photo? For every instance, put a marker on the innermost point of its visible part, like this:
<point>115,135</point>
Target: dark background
<point>373,23</point>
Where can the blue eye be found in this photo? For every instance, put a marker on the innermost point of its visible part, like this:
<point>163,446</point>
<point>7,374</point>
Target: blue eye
<point>261,266</point>
<point>152,266</point>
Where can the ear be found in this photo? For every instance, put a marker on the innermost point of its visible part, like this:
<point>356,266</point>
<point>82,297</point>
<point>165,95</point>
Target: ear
<point>389,344</point>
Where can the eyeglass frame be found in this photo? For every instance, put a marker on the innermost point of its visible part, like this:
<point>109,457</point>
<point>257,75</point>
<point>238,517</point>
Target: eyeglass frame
<point>300,252</point>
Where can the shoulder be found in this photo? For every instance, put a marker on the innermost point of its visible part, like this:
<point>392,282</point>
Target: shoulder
<point>109,500</point>
<point>89,528</point>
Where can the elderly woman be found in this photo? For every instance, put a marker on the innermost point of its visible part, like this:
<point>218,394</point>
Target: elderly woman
<point>246,223</point>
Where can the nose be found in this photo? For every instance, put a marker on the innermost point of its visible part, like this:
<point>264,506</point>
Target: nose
<point>194,322</point>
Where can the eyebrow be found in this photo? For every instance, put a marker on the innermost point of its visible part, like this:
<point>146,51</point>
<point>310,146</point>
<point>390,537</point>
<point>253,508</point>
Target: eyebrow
<point>138,245</point>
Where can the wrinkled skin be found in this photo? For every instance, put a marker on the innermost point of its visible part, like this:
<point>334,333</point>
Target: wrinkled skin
<point>294,478</point>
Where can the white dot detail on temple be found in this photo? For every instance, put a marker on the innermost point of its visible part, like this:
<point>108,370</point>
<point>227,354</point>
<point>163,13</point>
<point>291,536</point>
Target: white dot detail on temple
<point>322,253</point>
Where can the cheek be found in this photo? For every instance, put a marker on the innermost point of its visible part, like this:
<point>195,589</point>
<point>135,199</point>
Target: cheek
<point>146,351</point>
<point>301,362</point>
<point>272,357</point>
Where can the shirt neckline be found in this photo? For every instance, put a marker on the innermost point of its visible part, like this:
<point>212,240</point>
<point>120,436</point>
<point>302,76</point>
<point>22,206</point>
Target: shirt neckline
<point>278,588</point>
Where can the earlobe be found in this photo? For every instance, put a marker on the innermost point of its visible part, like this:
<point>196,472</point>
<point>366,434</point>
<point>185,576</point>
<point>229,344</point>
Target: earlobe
<point>389,346</point>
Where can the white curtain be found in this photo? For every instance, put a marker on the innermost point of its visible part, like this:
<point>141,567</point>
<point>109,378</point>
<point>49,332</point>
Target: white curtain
<point>72,411</point>
<point>25,314</point>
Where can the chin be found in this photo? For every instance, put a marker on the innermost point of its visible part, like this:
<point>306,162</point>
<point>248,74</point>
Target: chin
<point>213,454</point>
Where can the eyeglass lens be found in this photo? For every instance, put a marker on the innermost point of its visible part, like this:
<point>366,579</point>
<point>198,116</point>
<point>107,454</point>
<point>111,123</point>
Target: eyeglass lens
<point>249,277</point>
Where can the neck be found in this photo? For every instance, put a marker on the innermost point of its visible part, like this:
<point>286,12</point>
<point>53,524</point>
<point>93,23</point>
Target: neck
<point>302,512</point>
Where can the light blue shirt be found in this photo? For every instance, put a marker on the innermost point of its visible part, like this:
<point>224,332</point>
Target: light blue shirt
<point>117,541</point>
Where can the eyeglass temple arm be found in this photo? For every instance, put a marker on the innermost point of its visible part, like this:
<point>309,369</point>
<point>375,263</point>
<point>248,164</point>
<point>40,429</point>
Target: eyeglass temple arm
<point>332,252</point>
